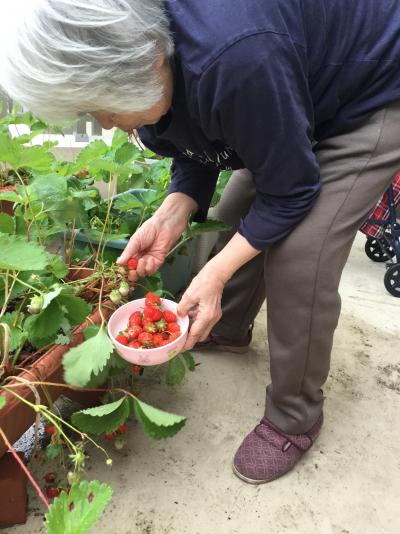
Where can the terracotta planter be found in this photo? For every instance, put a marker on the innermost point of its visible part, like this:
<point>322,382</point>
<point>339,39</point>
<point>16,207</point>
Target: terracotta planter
<point>5,205</point>
<point>13,492</point>
<point>16,417</point>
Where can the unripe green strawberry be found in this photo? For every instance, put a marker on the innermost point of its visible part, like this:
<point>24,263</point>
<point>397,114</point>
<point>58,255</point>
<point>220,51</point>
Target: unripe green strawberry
<point>124,289</point>
<point>78,288</point>
<point>73,478</point>
<point>36,304</point>
<point>115,296</point>
<point>120,441</point>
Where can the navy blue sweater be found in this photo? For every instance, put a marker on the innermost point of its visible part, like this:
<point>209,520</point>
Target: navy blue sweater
<point>259,82</point>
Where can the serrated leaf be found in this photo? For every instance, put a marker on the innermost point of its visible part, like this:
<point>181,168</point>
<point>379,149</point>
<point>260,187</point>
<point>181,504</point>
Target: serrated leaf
<point>93,150</point>
<point>7,224</point>
<point>62,339</point>
<point>91,331</point>
<point>191,364</point>
<point>16,333</point>
<point>2,402</point>
<point>10,196</point>
<point>50,296</point>
<point>88,359</point>
<point>156,423</point>
<point>52,451</point>
<point>105,418</point>
<point>18,254</point>
<point>17,156</point>
<point>76,309</point>
<point>175,371</point>
<point>42,328</point>
<point>119,138</point>
<point>127,202</point>
<point>125,153</point>
<point>78,511</point>
<point>57,267</point>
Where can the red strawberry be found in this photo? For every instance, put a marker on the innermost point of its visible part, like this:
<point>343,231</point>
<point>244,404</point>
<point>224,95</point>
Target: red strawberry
<point>152,300</point>
<point>165,335</point>
<point>164,342</point>
<point>169,316</point>
<point>52,492</point>
<point>174,336</point>
<point>152,313</point>
<point>50,429</point>
<point>174,328</point>
<point>122,339</point>
<point>137,369</point>
<point>150,327</point>
<point>132,264</point>
<point>134,331</point>
<point>134,345</point>
<point>123,428</point>
<point>146,339</point>
<point>157,340</point>
<point>50,477</point>
<point>109,436</point>
<point>135,318</point>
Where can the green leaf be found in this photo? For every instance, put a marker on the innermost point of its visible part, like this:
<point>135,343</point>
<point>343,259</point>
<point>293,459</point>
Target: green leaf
<point>119,138</point>
<point>175,372</point>
<point>88,359</point>
<point>52,451</point>
<point>7,224</point>
<point>49,188</point>
<point>91,331</point>
<point>156,423</point>
<point>10,196</point>
<point>2,402</point>
<point>62,339</point>
<point>127,202</point>
<point>18,254</point>
<point>42,328</point>
<point>106,418</point>
<point>17,156</point>
<point>58,267</point>
<point>77,511</point>
<point>49,297</point>
<point>76,309</point>
<point>126,152</point>
<point>95,149</point>
<point>16,333</point>
<point>191,364</point>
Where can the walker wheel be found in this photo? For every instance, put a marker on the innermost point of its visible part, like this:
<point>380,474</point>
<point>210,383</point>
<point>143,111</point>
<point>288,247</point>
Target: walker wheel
<point>392,280</point>
<point>376,252</point>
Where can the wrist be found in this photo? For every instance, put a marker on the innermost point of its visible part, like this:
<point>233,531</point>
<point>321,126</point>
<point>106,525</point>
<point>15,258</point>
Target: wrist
<point>178,204</point>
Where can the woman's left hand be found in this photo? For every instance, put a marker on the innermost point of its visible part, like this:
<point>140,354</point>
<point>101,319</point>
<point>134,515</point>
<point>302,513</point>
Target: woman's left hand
<point>203,297</point>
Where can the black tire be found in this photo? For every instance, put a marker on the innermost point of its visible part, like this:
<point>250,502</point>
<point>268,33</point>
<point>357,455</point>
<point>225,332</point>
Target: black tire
<point>392,280</point>
<point>376,250</point>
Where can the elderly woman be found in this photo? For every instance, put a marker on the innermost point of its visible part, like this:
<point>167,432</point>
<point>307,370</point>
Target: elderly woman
<point>300,98</point>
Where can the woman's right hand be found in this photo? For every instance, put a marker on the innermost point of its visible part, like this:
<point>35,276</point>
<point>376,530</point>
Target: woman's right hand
<point>151,243</point>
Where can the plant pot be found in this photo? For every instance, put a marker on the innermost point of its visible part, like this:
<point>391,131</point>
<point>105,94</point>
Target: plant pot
<point>13,492</point>
<point>16,417</point>
<point>5,205</point>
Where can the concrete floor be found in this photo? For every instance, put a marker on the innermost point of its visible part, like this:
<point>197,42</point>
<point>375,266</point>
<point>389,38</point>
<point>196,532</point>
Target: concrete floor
<point>349,483</point>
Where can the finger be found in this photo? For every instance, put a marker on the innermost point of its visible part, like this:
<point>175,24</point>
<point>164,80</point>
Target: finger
<point>133,276</point>
<point>131,249</point>
<point>186,304</point>
<point>198,332</point>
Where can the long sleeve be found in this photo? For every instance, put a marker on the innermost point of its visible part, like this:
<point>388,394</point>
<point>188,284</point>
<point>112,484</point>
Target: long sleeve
<point>256,97</point>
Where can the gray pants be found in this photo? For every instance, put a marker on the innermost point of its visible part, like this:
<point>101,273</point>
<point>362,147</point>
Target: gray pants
<point>299,276</point>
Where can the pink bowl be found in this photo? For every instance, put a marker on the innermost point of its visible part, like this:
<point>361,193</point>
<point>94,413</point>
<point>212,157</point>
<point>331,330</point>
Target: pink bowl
<point>119,321</point>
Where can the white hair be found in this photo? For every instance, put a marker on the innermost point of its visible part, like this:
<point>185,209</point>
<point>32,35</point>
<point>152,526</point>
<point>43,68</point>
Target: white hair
<point>61,58</point>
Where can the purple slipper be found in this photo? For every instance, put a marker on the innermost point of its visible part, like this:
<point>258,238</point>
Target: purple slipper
<point>268,453</point>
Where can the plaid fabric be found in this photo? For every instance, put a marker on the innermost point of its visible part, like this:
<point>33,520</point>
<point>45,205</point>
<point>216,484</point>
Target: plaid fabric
<point>381,211</point>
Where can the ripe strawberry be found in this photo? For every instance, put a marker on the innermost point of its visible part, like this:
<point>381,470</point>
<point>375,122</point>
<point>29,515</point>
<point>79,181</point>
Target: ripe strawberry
<point>132,264</point>
<point>52,492</point>
<point>169,316</point>
<point>152,313</point>
<point>157,340</point>
<point>150,327</point>
<point>174,328</point>
<point>135,318</point>
<point>123,428</point>
<point>137,369</point>
<point>164,342</point>
<point>50,429</point>
<point>146,339</point>
<point>134,331</point>
<point>50,477</point>
<point>122,339</point>
<point>173,336</point>
<point>161,325</point>
<point>109,436</point>
<point>165,335</point>
<point>134,345</point>
<point>152,300</point>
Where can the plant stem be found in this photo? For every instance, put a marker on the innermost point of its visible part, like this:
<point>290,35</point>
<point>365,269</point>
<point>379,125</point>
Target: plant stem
<point>35,289</point>
<point>106,220</point>
<point>25,469</point>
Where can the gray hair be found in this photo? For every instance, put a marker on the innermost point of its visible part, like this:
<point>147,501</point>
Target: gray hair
<point>61,58</point>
